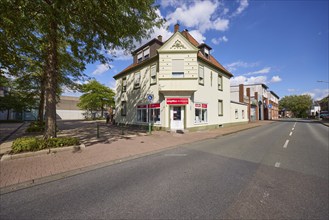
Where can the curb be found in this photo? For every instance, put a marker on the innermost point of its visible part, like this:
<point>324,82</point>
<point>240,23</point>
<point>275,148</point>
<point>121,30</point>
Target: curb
<point>41,152</point>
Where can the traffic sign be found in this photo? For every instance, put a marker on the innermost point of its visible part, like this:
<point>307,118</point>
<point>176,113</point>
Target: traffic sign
<point>269,105</point>
<point>149,97</point>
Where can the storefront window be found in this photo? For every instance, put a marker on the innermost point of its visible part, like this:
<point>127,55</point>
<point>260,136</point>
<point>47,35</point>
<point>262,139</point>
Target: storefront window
<point>201,113</point>
<point>149,112</point>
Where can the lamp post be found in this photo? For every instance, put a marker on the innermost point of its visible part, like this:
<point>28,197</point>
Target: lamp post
<point>322,81</point>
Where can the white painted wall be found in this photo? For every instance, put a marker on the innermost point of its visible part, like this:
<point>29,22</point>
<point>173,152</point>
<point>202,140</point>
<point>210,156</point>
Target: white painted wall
<point>240,116</point>
<point>70,114</point>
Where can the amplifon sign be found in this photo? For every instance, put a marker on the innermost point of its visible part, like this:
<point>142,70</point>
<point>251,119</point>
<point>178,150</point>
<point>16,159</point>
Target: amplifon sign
<point>177,101</point>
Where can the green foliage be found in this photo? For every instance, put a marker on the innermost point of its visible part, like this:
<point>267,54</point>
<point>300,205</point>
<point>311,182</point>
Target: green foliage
<point>36,127</point>
<point>95,96</point>
<point>324,103</point>
<point>298,104</point>
<point>58,38</point>
<point>34,144</point>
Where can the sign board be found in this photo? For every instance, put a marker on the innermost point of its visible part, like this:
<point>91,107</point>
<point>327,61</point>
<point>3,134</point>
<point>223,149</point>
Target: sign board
<point>177,101</point>
<point>149,97</point>
<point>269,105</point>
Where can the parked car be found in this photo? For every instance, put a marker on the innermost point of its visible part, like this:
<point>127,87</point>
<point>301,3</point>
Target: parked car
<point>324,114</point>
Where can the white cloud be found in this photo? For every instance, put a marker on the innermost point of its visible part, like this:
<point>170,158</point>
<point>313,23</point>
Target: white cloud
<point>233,66</point>
<point>216,41</point>
<point>292,90</point>
<point>262,71</point>
<point>101,68</point>
<point>198,15</point>
<point>276,79</point>
<point>197,36</point>
<point>120,54</point>
<point>245,80</point>
<point>317,94</point>
<point>243,4</point>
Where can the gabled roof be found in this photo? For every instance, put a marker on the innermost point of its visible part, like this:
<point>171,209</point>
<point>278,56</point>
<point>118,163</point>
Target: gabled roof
<point>211,60</point>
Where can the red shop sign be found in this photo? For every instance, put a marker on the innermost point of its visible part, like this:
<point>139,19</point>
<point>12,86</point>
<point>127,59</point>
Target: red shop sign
<point>204,105</point>
<point>154,105</point>
<point>197,105</point>
<point>177,101</point>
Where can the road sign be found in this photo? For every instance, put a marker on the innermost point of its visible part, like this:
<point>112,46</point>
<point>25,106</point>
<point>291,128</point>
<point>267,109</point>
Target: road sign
<point>269,105</point>
<point>149,97</point>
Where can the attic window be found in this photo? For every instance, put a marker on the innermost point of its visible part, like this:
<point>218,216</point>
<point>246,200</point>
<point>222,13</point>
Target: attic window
<point>146,53</point>
<point>206,52</point>
<point>140,57</point>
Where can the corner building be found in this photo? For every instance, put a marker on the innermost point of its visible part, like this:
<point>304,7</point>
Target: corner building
<point>176,85</point>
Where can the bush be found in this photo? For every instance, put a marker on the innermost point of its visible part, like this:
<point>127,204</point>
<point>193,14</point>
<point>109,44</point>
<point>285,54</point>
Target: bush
<point>36,127</point>
<point>35,144</point>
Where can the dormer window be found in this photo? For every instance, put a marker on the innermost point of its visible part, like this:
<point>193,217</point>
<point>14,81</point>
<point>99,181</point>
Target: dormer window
<point>140,57</point>
<point>206,53</point>
<point>146,53</point>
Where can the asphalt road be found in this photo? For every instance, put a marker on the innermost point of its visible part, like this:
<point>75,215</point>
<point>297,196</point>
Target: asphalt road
<point>277,171</point>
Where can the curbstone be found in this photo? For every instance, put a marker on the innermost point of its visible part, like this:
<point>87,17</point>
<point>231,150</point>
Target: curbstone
<point>41,152</point>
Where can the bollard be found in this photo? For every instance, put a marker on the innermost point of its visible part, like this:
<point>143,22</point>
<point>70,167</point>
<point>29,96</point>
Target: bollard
<point>97,130</point>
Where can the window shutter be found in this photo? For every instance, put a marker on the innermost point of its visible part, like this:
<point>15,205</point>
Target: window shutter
<point>146,52</point>
<point>177,65</point>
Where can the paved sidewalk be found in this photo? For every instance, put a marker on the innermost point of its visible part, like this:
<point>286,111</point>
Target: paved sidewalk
<point>27,171</point>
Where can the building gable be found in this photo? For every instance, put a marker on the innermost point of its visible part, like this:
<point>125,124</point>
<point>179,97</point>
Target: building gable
<point>177,43</point>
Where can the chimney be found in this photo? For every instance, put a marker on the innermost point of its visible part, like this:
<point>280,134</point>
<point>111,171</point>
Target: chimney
<point>176,28</point>
<point>241,93</point>
<point>160,38</point>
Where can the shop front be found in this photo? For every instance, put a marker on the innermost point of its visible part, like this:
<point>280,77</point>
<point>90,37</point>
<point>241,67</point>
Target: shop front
<point>177,112</point>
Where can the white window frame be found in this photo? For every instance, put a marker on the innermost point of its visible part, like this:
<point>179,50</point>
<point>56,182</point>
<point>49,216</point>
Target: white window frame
<point>201,75</point>
<point>202,118</point>
<point>153,74</point>
<point>146,53</point>
<point>124,84</point>
<point>140,57</point>
<point>137,80</point>
<point>142,111</point>
<point>220,82</point>
<point>123,108</point>
<point>220,107</point>
<point>177,71</point>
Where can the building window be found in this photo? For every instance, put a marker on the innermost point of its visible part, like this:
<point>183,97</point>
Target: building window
<point>149,112</point>
<point>146,53</point>
<point>220,107</point>
<point>201,113</point>
<point>242,114</point>
<point>220,82</point>
<point>236,114</point>
<point>206,52</point>
<point>211,78</point>
<point>124,84</point>
<point>137,80</point>
<point>140,57</point>
<point>123,108</point>
<point>153,74</point>
<point>201,75</point>
<point>177,68</point>
<point>142,113</point>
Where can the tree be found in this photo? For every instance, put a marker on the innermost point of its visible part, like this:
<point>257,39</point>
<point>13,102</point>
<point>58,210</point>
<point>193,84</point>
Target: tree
<point>95,97</point>
<point>84,30</point>
<point>298,104</point>
<point>324,103</point>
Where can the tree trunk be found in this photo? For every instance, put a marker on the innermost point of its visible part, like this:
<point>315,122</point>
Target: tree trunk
<point>42,99</point>
<point>51,81</point>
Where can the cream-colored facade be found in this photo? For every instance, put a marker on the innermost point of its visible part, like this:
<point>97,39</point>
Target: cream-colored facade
<point>177,89</point>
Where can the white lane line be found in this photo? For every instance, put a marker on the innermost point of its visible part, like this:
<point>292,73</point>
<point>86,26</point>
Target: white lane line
<point>277,164</point>
<point>293,129</point>
<point>286,144</point>
<point>290,133</point>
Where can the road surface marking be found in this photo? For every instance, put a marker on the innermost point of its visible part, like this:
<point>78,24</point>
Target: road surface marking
<point>293,128</point>
<point>290,133</point>
<point>277,164</point>
<point>286,144</point>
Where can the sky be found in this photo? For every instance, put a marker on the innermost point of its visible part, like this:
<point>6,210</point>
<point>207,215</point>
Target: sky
<point>283,44</point>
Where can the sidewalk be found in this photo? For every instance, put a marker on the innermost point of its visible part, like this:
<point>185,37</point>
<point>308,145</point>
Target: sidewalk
<point>23,172</point>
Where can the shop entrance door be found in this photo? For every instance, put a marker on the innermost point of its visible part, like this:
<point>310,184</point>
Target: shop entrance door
<point>177,117</point>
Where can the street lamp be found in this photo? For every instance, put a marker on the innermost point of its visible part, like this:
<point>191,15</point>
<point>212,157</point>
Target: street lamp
<point>322,81</point>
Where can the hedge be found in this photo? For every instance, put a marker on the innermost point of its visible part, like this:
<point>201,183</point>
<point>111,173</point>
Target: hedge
<point>34,144</point>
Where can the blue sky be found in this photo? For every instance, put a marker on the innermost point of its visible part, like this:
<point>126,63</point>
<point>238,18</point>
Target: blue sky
<point>283,44</point>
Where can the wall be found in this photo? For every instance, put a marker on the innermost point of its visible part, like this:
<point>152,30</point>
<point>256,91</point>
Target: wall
<point>240,117</point>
